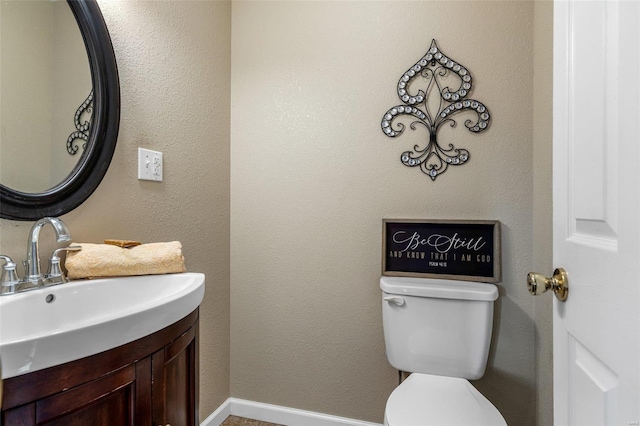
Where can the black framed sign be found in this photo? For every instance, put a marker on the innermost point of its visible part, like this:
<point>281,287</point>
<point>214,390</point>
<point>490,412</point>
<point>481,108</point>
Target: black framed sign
<point>449,249</point>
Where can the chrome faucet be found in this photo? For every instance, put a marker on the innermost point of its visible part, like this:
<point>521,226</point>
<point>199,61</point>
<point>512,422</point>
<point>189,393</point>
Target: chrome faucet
<point>10,282</point>
<point>33,277</point>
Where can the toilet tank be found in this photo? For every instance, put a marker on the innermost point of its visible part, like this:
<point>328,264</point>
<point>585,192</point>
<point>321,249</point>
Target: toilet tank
<point>435,326</point>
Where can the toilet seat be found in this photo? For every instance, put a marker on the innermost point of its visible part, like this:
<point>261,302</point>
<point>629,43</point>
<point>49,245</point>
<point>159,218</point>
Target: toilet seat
<point>424,399</point>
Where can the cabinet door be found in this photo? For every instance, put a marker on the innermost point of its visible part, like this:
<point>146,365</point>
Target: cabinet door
<point>175,375</point>
<point>107,401</point>
<point>151,381</point>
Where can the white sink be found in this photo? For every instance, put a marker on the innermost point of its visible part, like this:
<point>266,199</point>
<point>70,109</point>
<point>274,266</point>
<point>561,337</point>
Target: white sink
<point>90,316</point>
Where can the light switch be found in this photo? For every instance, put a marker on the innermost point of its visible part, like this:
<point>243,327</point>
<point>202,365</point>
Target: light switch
<point>149,165</point>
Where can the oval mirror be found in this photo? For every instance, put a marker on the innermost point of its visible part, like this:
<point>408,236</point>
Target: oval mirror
<point>40,176</point>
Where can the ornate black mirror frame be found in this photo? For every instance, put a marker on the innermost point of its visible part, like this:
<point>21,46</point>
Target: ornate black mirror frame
<point>93,165</point>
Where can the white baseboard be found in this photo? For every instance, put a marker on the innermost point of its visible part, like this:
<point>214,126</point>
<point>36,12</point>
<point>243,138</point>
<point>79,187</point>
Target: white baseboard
<point>277,414</point>
<point>219,415</point>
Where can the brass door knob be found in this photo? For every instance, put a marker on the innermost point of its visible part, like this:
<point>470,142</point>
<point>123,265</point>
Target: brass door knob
<point>559,283</point>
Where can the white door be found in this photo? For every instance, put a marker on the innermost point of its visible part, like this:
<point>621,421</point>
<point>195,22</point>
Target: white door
<point>596,215</point>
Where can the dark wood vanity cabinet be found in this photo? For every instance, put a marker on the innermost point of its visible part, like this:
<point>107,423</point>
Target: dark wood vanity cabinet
<point>151,381</point>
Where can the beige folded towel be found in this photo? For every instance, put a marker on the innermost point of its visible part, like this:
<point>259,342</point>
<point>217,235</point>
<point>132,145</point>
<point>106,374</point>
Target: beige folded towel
<point>105,260</point>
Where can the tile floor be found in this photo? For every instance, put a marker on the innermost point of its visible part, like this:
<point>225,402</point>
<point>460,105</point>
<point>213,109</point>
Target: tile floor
<point>241,421</point>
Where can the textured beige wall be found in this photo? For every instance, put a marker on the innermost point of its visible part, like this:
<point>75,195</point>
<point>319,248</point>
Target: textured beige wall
<point>312,175</point>
<point>542,203</point>
<point>174,64</point>
<point>71,78</point>
<point>26,64</point>
<point>44,78</point>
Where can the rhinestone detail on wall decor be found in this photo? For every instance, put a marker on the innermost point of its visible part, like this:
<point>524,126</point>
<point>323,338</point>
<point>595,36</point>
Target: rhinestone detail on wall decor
<point>432,108</point>
<point>84,112</point>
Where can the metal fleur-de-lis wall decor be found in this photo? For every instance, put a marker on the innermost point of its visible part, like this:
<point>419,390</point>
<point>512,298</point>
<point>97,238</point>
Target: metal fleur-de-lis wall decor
<point>432,108</point>
<point>82,131</point>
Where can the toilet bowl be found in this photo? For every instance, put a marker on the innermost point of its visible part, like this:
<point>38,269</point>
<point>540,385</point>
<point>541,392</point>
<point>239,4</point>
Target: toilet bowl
<point>440,331</point>
<point>428,400</point>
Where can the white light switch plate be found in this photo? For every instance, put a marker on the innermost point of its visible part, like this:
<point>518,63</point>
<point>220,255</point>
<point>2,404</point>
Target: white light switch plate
<point>149,165</point>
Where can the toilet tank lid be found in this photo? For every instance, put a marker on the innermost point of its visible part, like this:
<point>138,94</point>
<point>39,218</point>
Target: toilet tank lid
<point>439,288</point>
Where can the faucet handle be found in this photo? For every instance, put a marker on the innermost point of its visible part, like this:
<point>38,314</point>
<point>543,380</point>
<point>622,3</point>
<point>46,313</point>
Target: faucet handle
<point>10,278</point>
<point>55,274</point>
<point>69,248</point>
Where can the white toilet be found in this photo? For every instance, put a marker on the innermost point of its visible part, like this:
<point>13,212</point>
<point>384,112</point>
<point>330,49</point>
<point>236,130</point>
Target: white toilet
<point>439,330</point>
